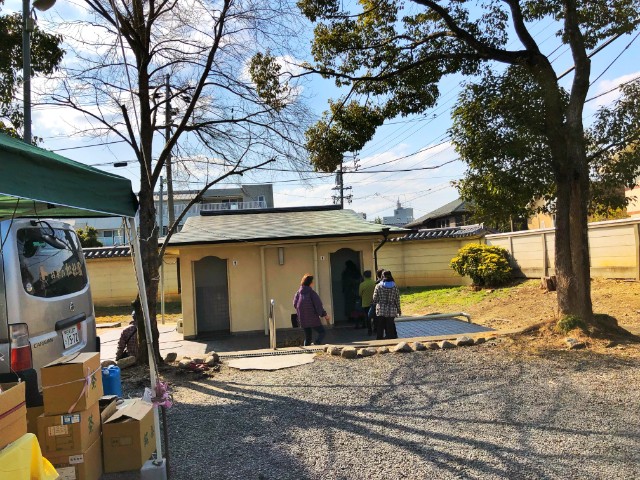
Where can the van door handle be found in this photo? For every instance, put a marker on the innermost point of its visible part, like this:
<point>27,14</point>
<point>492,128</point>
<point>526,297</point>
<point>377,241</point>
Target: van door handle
<point>67,322</point>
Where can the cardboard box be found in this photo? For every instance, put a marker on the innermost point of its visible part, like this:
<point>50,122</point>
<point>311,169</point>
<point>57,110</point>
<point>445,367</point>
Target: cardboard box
<point>129,437</point>
<point>65,386</point>
<point>69,434</point>
<point>108,406</point>
<point>83,466</point>
<point>13,413</point>
<point>32,418</point>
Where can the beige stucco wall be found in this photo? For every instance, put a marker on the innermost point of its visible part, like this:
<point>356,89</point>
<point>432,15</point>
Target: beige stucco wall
<point>614,247</point>
<point>113,281</point>
<point>423,263</point>
<point>633,194</point>
<point>248,301</point>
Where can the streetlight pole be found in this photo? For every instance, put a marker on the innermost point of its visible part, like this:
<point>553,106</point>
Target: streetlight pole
<point>27,28</point>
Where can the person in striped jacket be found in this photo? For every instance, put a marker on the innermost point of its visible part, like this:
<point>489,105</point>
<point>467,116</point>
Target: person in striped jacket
<point>386,296</point>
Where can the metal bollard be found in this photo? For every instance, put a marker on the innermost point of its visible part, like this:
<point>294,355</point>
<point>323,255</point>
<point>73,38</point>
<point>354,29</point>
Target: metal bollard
<point>272,325</point>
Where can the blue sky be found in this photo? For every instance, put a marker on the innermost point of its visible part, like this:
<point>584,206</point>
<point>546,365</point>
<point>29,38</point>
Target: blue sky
<point>373,193</point>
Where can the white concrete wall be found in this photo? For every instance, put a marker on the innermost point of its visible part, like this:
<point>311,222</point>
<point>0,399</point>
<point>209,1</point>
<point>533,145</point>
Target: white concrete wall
<point>614,247</point>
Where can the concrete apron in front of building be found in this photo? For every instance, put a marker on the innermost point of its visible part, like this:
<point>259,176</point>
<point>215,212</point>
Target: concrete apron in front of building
<point>288,340</point>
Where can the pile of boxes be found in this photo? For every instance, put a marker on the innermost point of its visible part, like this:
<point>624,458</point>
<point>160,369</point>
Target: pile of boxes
<point>80,431</point>
<point>69,430</point>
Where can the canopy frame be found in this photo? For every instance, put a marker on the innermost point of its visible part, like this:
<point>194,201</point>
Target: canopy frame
<point>30,173</point>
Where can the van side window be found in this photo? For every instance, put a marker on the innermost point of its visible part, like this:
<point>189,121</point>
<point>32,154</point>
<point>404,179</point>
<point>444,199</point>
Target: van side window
<point>51,262</point>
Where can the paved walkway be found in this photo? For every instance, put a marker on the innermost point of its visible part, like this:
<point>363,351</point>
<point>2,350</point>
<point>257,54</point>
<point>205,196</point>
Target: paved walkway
<point>172,341</point>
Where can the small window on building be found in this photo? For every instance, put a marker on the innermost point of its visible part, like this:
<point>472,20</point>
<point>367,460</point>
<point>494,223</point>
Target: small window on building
<point>108,233</point>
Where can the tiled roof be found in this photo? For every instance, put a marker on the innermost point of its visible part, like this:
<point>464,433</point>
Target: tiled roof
<point>448,232</point>
<point>107,252</point>
<point>275,224</point>
<point>451,208</point>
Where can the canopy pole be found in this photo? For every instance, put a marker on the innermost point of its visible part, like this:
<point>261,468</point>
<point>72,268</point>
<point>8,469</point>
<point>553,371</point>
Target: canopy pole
<point>142,291</point>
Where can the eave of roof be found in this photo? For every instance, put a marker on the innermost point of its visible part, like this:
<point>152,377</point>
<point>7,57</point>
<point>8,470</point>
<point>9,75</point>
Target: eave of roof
<point>93,253</point>
<point>445,233</point>
<point>456,206</point>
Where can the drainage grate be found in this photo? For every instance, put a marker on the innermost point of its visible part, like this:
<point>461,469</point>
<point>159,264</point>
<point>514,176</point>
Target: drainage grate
<point>268,354</point>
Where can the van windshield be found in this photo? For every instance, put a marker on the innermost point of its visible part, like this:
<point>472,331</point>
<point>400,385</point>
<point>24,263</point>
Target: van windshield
<point>51,261</point>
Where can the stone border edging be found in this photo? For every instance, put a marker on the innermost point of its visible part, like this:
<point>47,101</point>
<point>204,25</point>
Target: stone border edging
<point>351,352</point>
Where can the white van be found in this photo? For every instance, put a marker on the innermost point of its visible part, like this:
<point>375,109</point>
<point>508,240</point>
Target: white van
<point>46,309</point>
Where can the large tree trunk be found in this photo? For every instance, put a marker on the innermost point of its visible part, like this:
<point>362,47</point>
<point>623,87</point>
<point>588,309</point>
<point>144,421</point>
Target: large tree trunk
<point>572,249</point>
<point>150,268</point>
<point>573,267</point>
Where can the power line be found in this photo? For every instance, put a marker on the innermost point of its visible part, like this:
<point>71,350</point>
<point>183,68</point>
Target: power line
<point>612,89</point>
<point>615,59</point>
<point>426,149</point>
<point>87,146</point>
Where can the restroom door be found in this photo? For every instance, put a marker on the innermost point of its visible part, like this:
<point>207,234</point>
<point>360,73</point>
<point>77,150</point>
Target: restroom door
<point>212,296</point>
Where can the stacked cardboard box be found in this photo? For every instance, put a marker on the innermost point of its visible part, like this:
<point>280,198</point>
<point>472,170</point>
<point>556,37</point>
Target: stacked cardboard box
<point>13,413</point>
<point>69,429</point>
<point>129,436</point>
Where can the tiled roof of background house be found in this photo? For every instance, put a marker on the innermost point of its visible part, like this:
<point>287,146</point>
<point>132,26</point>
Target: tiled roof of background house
<point>275,224</point>
<point>451,208</point>
<point>449,232</point>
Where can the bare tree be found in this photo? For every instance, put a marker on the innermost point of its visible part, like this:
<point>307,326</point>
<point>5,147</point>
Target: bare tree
<point>206,47</point>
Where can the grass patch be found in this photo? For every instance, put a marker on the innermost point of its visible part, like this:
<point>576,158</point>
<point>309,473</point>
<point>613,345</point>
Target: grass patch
<point>570,322</point>
<point>122,312</point>
<point>422,300</point>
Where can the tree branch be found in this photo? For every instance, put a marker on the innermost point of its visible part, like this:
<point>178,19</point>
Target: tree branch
<point>482,49</point>
<point>521,29</point>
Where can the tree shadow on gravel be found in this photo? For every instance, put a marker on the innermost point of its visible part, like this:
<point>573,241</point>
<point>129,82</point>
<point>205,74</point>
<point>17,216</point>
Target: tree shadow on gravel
<point>492,421</point>
<point>420,415</point>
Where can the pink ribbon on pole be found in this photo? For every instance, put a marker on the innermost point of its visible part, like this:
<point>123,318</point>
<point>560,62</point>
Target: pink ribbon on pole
<point>163,398</point>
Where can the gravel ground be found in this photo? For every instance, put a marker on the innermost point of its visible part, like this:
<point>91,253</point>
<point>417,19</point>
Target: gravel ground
<point>467,413</point>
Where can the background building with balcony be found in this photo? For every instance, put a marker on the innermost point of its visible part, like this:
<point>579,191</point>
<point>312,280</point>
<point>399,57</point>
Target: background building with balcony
<point>111,231</point>
<point>244,197</point>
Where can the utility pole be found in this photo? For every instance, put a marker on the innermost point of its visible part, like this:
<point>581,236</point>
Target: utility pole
<point>167,135</point>
<point>160,234</point>
<point>339,198</point>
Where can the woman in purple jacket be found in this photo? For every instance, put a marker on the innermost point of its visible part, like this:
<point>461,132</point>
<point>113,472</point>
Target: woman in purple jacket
<point>309,309</point>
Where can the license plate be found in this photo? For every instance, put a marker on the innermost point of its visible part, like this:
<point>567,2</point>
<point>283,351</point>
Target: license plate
<point>70,336</point>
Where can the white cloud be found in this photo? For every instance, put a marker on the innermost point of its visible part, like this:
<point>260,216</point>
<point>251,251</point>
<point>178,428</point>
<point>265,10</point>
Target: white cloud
<point>606,85</point>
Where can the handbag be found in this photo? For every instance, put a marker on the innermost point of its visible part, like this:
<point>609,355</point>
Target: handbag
<point>295,323</point>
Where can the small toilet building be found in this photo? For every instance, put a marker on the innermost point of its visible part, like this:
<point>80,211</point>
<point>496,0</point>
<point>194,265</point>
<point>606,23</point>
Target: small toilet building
<point>233,263</point>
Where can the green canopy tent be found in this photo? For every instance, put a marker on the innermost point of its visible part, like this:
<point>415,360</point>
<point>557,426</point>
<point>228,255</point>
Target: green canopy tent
<point>38,183</point>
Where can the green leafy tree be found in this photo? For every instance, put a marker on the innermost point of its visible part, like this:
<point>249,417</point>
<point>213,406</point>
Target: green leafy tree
<point>89,237</point>
<point>46,56</point>
<point>512,109</point>
<point>392,55</point>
